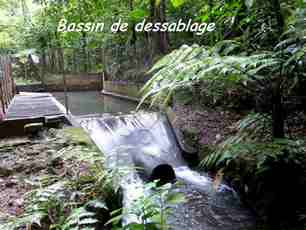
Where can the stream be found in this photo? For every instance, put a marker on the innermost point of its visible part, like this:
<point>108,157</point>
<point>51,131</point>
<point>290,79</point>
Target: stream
<point>147,140</point>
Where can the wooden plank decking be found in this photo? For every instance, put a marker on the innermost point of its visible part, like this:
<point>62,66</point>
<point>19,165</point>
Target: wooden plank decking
<point>28,108</point>
<point>27,105</point>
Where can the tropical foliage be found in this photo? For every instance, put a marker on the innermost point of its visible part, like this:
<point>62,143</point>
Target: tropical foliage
<point>152,209</point>
<point>267,63</point>
<point>226,64</point>
<point>74,200</point>
<point>258,49</point>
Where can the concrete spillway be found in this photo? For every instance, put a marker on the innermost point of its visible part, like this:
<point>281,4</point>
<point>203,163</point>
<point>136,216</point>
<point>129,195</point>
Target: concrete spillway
<point>147,141</point>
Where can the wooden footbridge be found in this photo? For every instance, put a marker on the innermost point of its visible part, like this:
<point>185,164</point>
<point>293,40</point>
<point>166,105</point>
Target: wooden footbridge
<point>27,108</point>
<point>18,110</point>
<point>31,105</point>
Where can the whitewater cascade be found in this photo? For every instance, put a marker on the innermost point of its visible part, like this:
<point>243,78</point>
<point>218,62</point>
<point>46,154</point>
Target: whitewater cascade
<point>148,141</point>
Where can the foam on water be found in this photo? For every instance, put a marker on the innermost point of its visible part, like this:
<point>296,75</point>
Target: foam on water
<point>147,140</point>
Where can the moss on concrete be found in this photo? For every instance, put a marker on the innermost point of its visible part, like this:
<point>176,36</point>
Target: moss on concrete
<point>191,137</point>
<point>77,136</point>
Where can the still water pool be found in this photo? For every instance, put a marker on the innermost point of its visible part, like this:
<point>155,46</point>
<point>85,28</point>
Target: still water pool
<point>93,102</point>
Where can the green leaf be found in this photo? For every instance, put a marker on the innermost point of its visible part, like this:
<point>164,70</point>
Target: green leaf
<point>176,198</point>
<point>177,3</point>
<point>115,220</point>
<point>97,204</point>
<point>157,2</point>
<point>115,212</point>
<point>135,226</point>
<point>88,221</point>
<point>137,15</point>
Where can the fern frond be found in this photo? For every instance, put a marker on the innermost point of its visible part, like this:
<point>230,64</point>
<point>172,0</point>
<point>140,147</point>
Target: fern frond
<point>191,64</point>
<point>38,204</point>
<point>226,47</point>
<point>80,218</point>
<point>249,129</point>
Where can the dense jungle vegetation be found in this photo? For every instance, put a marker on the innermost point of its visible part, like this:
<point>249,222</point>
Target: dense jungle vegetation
<point>253,64</point>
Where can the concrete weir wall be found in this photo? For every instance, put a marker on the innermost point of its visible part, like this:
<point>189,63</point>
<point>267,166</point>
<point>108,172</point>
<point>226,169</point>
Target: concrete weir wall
<point>87,82</point>
<point>129,89</point>
<point>77,82</point>
<point>74,82</point>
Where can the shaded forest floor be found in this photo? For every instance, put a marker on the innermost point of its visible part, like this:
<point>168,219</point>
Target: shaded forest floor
<point>26,162</point>
<point>204,128</point>
<point>212,126</point>
<point>207,127</point>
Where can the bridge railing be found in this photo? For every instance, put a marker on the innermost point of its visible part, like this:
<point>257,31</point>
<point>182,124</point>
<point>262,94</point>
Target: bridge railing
<point>7,85</point>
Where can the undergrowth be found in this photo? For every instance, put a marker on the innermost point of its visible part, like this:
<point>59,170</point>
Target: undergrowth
<point>268,173</point>
<point>76,199</point>
<point>151,210</point>
<point>85,196</point>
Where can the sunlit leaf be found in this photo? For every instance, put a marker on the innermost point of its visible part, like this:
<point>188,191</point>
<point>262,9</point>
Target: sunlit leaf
<point>177,3</point>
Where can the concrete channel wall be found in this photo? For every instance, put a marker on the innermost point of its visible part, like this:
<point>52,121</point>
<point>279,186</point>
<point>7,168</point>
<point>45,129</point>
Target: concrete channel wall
<point>128,89</point>
<point>74,82</point>
<point>87,83</point>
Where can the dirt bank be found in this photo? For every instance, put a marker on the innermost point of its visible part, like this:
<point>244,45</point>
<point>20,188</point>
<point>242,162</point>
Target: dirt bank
<point>29,164</point>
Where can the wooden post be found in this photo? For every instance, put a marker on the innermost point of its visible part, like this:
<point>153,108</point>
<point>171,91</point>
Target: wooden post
<point>102,81</point>
<point>102,52</point>
<point>6,83</point>
<point>65,86</point>
<point>65,92</point>
<point>2,77</point>
<point>2,99</point>
<point>25,70</point>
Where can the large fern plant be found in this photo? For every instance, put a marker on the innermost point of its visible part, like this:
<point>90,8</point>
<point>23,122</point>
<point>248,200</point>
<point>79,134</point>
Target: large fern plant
<point>227,62</point>
<point>191,64</point>
<point>250,130</point>
<point>42,204</point>
<point>80,218</point>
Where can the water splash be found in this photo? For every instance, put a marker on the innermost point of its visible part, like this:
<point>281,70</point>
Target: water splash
<point>147,140</point>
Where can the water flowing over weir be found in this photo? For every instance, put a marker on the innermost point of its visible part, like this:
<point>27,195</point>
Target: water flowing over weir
<point>147,140</point>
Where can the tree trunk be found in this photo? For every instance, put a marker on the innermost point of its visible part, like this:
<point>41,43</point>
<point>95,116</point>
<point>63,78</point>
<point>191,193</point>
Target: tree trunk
<point>151,36</point>
<point>43,68</point>
<point>158,14</point>
<point>84,53</point>
<point>134,37</point>
<point>61,59</point>
<point>278,15</point>
<point>278,121</point>
<point>52,61</point>
<point>74,57</point>
<point>162,36</point>
<point>25,12</point>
